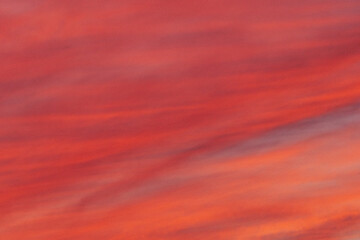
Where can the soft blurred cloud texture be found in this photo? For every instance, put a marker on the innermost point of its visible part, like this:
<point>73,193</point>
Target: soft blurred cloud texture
<point>179,119</point>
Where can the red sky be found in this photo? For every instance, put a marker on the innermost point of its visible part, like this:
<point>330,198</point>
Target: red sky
<point>224,120</point>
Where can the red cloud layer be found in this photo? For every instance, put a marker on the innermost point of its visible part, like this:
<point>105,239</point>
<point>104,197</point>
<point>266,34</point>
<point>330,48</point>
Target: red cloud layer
<point>179,120</point>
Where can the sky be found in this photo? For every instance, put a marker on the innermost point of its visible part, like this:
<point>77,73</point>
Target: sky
<point>216,120</point>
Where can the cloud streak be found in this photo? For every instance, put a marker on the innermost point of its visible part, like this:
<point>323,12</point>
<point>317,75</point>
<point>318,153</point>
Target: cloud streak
<point>179,120</point>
